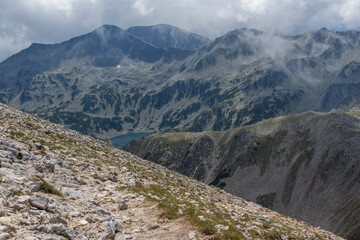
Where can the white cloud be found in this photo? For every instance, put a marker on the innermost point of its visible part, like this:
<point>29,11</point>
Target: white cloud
<point>10,44</point>
<point>254,6</point>
<point>350,13</point>
<point>51,21</point>
<point>142,7</point>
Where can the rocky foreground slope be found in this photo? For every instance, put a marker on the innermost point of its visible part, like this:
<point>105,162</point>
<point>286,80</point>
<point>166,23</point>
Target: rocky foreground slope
<point>306,166</point>
<point>59,184</point>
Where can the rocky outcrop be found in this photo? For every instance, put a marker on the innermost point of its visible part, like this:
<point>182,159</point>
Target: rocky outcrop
<point>59,184</point>
<point>305,166</point>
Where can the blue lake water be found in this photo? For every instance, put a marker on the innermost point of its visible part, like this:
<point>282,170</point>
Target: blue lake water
<point>122,140</point>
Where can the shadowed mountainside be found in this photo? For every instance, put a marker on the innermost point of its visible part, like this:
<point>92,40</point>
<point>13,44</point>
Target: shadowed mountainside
<point>306,166</point>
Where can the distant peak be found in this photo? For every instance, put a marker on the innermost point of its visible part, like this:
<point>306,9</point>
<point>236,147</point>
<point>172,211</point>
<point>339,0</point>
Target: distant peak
<point>160,25</point>
<point>109,29</point>
<point>243,32</point>
<point>164,25</point>
<point>36,45</point>
<point>322,30</point>
<point>247,30</point>
<point>165,35</point>
<point>320,34</point>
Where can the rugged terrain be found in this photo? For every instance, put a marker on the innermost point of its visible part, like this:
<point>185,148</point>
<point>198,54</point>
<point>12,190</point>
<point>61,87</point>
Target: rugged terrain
<point>305,166</point>
<point>59,184</point>
<point>158,78</point>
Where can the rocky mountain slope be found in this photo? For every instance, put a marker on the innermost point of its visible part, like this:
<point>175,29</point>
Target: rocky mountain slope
<point>112,81</point>
<point>305,166</point>
<point>59,184</point>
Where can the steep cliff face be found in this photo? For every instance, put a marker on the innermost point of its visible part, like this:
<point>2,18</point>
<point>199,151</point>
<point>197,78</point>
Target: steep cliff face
<point>306,166</point>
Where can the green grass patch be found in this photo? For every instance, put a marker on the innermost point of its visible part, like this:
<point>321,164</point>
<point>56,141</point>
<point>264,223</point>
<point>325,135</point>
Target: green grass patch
<point>65,235</point>
<point>266,225</point>
<point>172,204</point>
<point>17,193</point>
<point>17,134</point>
<point>48,188</point>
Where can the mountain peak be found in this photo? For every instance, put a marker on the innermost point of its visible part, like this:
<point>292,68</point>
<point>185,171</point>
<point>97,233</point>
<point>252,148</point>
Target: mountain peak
<point>109,30</point>
<point>108,27</point>
<point>323,30</point>
<point>165,36</point>
<point>249,30</point>
<point>166,26</point>
<point>319,35</point>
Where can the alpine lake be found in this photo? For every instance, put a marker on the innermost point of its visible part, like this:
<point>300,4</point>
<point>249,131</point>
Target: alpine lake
<point>122,140</point>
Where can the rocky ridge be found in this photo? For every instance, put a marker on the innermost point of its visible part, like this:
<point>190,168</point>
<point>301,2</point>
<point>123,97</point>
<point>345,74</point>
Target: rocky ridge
<point>165,36</point>
<point>292,164</point>
<point>111,81</point>
<point>59,184</point>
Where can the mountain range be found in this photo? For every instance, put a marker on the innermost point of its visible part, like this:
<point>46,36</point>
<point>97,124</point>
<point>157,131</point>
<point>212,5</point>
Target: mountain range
<point>273,118</point>
<point>161,78</point>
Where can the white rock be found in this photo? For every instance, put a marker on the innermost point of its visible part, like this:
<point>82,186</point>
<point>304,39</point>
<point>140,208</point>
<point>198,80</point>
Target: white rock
<point>83,222</point>
<point>4,236</point>
<point>192,235</point>
<point>76,214</point>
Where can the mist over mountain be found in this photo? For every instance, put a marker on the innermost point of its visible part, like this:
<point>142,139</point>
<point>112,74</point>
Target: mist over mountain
<point>106,46</point>
<point>165,36</point>
<point>112,81</point>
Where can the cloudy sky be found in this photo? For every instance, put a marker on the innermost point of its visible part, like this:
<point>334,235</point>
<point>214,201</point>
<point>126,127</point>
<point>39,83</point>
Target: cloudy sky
<point>23,22</point>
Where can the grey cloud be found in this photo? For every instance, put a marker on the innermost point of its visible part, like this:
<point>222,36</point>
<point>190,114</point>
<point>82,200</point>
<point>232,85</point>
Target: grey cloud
<point>23,22</point>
